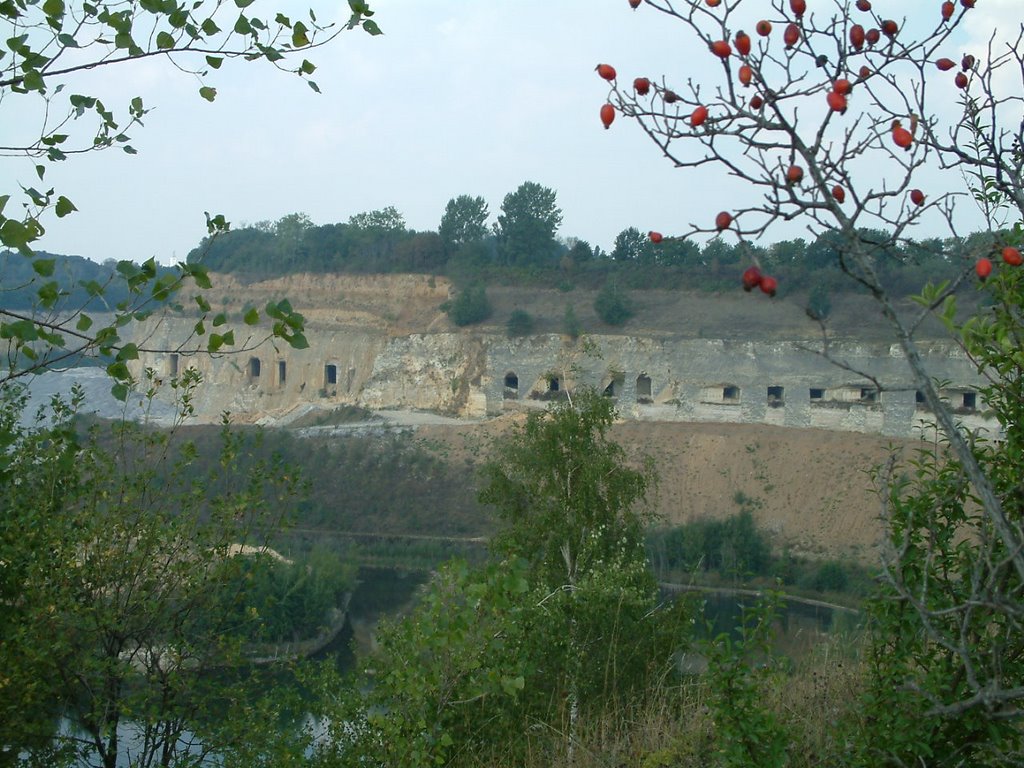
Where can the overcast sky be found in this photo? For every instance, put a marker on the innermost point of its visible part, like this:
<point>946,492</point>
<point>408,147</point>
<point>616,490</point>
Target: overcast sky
<point>458,97</point>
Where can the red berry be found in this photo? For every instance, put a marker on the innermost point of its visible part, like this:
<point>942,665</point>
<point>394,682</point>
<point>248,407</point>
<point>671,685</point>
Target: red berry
<point>842,85</point>
<point>873,36</point>
<point>960,80</point>
<point>890,28</point>
<point>917,197</point>
<point>751,278</point>
<point>769,285</point>
<point>723,220</point>
<point>799,7</point>
<point>967,62</point>
<point>713,3</point>
<point>607,115</point>
<point>791,36</point>
<point>655,237</point>
<point>794,174</point>
<point>857,36</point>
<point>764,28</point>
<point>967,3</point>
<point>634,4</point>
<point>864,5</point>
<point>983,268</point>
<point>607,71</point>
<point>642,85</point>
<point>746,74</point>
<point>756,102</point>
<point>839,194</point>
<point>947,10</point>
<point>698,116</point>
<point>902,137</point>
<point>742,42</point>
<point>1012,256</point>
<point>721,49</point>
<point>836,101</point>
<point>865,72</point>
<point>945,65</point>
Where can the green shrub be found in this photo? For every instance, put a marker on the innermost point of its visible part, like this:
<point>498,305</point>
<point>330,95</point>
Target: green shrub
<point>520,323</point>
<point>613,305</point>
<point>470,306</point>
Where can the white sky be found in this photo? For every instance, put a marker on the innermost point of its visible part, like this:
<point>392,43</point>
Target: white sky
<point>460,97</point>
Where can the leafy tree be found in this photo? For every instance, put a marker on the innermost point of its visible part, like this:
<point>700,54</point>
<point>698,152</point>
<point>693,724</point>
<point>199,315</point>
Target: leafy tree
<point>464,221</point>
<point>387,220</point>
<point>563,613</point>
<point>630,245</point>
<point>51,42</point>
<point>115,609</point>
<point>612,304</point>
<point>945,685</point>
<point>527,225</point>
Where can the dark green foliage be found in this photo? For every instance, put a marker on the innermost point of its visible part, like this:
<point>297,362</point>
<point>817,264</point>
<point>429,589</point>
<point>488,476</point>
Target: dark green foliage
<point>570,323</point>
<point>613,305</point>
<point>630,245</point>
<point>463,222</point>
<point>732,546</point>
<point>469,306</point>
<point>520,323</point>
<point>527,225</point>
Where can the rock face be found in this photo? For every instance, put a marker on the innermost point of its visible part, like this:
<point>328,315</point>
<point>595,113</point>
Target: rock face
<point>382,343</point>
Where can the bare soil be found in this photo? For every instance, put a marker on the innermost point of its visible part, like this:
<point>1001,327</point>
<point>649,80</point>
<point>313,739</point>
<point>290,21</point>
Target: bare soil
<point>810,489</point>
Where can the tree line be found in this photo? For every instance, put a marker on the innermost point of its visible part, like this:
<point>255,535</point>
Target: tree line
<point>523,246</point>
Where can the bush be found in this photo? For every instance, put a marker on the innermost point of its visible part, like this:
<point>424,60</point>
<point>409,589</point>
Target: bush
<point>470,306</point>
<point>570,323</point>
<point>520,323</point>
<point>613,305</point>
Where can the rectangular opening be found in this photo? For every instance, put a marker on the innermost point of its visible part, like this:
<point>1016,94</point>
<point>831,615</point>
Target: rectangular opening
<point>970,401</point>
<point>730,394</point>
<point>643,386</point>
<point>330,374</point>
<point>817,394</point>
<point>254,367</point>
<point>282,372</point>
<point>869,395</point>
<point>775,396</point>
<point>172,365</point>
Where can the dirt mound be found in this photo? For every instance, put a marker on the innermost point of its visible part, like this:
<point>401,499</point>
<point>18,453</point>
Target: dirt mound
<point>811,489</point>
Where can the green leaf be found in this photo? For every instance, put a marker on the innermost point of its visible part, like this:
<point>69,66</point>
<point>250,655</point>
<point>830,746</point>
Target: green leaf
<point>308,67</point>
<point>68,41</point>
<point>202,303</point>
<point>252,317</point>
<point>64,207</point>
<point>123,40</point>
<point>297,341</point>
<point>242,26</point>
<point>312,84</point>
<point>54,8</point>
<point>128,352</point>
<point>299,37</point>
<point>219,319</point>
<point>208,93</point>
<point>371,26</point>
<point>84,323</point>
<point>164,40</point>
<point>215,61</point>
<point>43,267</point>
<point>209,28</point>
<point>120,392</point>
<point>215,342</point>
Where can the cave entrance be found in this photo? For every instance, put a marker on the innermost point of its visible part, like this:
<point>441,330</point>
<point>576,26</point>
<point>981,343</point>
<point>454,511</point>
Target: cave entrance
<point>643,387</point>
<point>282,372</point>
<point>330,375</point>
<point>254,367</point>
<point>511,386</point>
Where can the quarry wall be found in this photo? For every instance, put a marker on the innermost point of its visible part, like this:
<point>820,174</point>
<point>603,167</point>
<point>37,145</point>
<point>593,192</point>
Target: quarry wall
<point>659,378</point>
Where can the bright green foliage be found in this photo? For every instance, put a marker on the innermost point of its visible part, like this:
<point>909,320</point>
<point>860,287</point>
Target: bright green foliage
<point>949,625</point>
<point>444,678</point>
<point>561,622</point>
<point>115,607</point>
<point>741,672</point>
<point>566,492</point>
